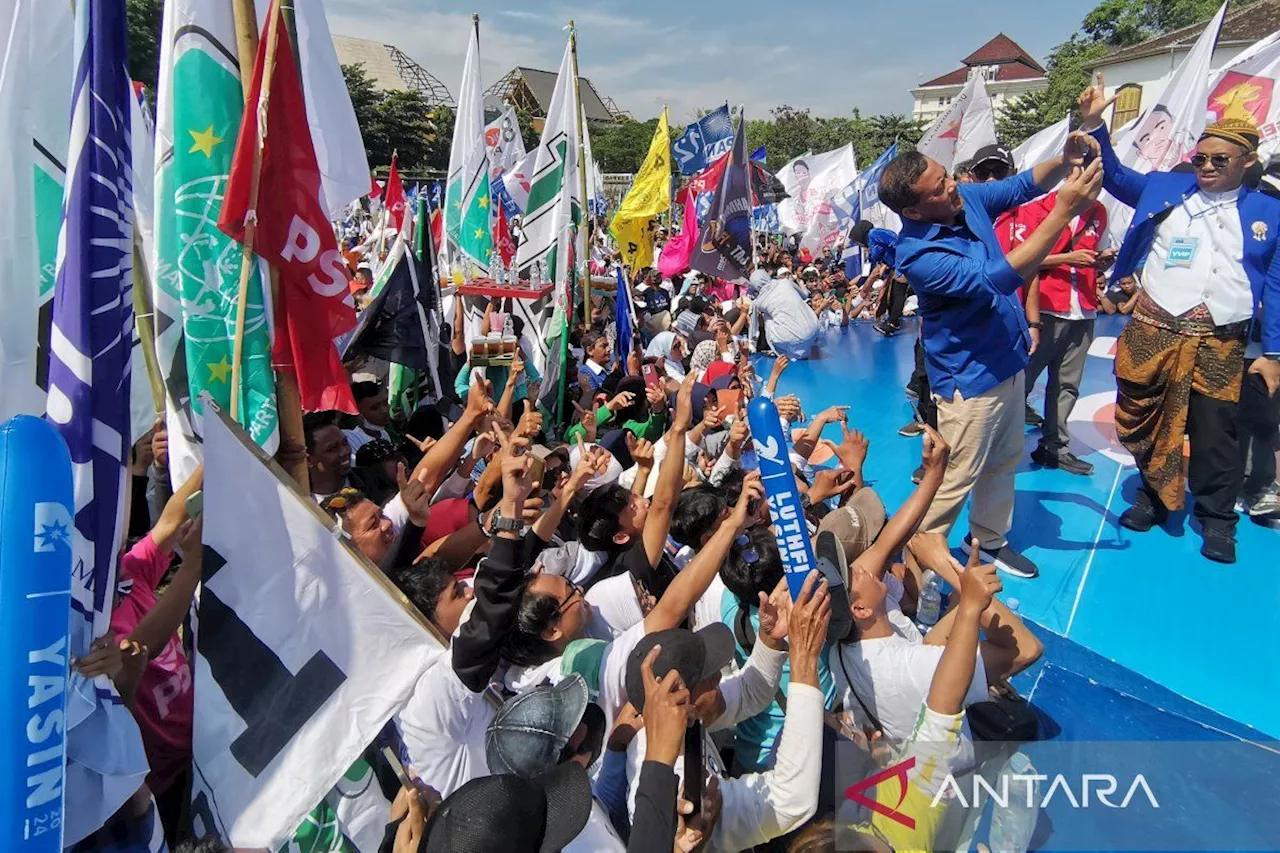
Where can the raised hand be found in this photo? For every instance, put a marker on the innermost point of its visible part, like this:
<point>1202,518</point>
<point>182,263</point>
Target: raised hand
<point>413,492</point>
<point>936,452</point>
<point>810,615</point>
<point>775,614</point>
<point>830,482</point>
<point>666,711</point>
<point>852,450</point>
<point>684,405</point>
<point>640,449</point>
<point>479,402</point>
<point>752,489</point>
<point>1093,102</point>
<point>1081,189</point>
<point>621,401</point>
<point>979,582</point>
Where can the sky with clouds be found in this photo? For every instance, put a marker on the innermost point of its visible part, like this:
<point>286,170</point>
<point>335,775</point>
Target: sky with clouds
<point>828,55</point>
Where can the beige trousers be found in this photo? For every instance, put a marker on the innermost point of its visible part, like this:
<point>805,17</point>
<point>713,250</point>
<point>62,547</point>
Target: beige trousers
<point>986,435</point>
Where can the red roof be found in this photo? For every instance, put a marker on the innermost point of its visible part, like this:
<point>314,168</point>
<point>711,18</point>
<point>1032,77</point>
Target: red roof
<point>999,50</point>
<point>1015,63</point>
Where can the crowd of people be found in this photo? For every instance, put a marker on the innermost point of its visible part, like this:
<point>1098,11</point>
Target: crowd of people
<point>624,666</point>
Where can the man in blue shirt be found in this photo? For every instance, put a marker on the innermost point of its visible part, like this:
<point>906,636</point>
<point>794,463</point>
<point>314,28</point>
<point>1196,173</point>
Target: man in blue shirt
<point>973,326</point>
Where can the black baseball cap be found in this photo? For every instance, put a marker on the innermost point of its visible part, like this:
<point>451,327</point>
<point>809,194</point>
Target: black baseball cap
<point>508,814</point>
<point>997,153</point>
<point>695,655</point>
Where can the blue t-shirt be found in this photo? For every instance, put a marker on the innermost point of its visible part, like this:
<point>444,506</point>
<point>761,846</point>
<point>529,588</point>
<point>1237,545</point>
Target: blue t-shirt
<point>757,737</point>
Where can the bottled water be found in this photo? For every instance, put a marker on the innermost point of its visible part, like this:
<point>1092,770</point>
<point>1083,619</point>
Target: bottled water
<point>1012,825</point>
<point>929,607</point>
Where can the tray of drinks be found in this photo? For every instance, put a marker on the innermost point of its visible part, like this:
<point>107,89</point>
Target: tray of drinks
<point>502,290</point>
<point>493,350</point>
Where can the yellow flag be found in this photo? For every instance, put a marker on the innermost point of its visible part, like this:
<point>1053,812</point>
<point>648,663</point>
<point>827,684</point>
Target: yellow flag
<point>649,195</point>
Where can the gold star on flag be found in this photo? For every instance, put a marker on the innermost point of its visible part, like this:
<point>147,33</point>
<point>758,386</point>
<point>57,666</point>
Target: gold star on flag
<point>457,205</point>
<point>479,233</point>
<point>203,141</point>
<point>483,201</point>
<point>220,371</point>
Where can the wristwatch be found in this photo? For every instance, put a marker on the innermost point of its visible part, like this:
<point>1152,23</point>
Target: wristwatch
<point>500,524</point>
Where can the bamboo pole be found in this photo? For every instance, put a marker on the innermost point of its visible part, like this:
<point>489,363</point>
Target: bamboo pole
<point>582,178</point>
<point>292,453</point>
<point>144,319</point>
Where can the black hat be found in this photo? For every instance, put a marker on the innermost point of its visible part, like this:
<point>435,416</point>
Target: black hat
<point>532,728</point>
<point>508,814</point>
<point>992,152</point>
<point>697,657</point>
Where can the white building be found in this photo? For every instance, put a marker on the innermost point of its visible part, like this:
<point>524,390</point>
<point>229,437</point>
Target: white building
<point>1009,72</point>
<point>1139,73</point>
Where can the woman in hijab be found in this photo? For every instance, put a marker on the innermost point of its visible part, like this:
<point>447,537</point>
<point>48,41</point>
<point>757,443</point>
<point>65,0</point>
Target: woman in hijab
<point>669,347</point>
<point>703,357</point>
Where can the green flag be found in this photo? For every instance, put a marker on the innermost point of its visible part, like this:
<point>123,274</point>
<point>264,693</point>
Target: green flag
<point>200,105</point>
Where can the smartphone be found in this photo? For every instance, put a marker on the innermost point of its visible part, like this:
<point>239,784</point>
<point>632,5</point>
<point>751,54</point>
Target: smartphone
<point>694,766</point>
<point>728,399</point>
<point>652,379</point>
<point>539,453</point>
<point>393,761</point>
<point>195,504</point>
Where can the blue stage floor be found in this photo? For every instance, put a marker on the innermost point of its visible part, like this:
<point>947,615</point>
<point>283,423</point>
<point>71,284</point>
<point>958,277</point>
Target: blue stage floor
<point>1194,634</point>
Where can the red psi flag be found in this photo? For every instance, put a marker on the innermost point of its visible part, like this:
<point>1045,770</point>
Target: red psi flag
<point>288,225</point>
<point>394,199</point>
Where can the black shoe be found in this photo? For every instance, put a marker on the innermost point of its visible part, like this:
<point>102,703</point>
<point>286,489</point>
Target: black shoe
<point>886,328</point>
<point>1006,559</point>
<point>917,475</point>
<point>912,430</point>
<point>1219,544</point>
<point>1068,461</point>
<point>1143,515</point>
<point>1033,417</point>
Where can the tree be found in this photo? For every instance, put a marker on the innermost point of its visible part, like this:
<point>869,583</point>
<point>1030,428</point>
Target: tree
<point>143,20</point>
<point>1024,116</point>
<point>622,147</point>
<point>398,121</point>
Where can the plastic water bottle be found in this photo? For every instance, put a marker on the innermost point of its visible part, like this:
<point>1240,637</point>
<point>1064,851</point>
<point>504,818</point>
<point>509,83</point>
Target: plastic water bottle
<point>1012,825</point>
<point>929,607</point>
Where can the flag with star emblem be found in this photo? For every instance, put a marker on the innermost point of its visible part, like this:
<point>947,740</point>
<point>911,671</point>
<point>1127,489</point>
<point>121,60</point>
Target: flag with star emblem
<point>200,105</point>
<point>966,127</point>
<point>293,230</point>
<point>466,215</point>
<point>649,196</point>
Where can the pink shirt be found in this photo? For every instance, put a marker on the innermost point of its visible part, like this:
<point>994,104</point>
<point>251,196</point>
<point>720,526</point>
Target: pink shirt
<point>164,702</point>
<point>720,290</point>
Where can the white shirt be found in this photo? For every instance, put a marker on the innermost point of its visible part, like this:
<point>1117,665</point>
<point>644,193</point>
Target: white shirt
<point>443,726</point>
<point>787,316</point>
<point>362,435</point>
<point>598,836</point>
<point>1205,237</point>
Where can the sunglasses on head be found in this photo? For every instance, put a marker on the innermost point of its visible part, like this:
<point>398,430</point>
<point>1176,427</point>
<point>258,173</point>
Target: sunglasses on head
<point>343,500</point>
<point>1219,161</point>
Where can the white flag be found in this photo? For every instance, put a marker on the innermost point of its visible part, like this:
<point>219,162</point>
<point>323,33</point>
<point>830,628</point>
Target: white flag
<point>1043,145</point>
<point>35,89</point>
<point>1166,134</point>
<point>967,126</point>
<point>303,650</point>
<point>554,212</point>
<point>467,153</point>
<point>502,143</point>
<point>1247,89</point>
<point>811,180</point>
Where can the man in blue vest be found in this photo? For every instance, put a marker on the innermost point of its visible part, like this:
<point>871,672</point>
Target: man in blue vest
<point>1207,247</point>
<point>973,325</point>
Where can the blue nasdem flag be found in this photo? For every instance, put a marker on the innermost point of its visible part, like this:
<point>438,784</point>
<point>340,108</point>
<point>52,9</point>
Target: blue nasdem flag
<point>870,179</point>
<point>759,155</point>
<point>724,247</point>
<point>623,325</point>
<point>93,311</point>
<point>90,350</point>
<point>702,142</point>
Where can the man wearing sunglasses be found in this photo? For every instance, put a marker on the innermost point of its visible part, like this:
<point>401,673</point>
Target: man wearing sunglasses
<point>1207,245</point>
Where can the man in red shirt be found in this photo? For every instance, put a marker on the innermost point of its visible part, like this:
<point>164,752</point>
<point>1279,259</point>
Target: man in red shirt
<point>1068,305</point>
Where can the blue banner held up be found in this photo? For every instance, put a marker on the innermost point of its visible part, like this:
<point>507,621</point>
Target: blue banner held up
<point>780,491</point>
<point>703,141</point>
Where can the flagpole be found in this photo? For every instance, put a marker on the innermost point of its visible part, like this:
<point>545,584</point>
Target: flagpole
<point>250,224</point>
<point>292,452</point>
<point>582,175</point>
<point>144,319</point>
